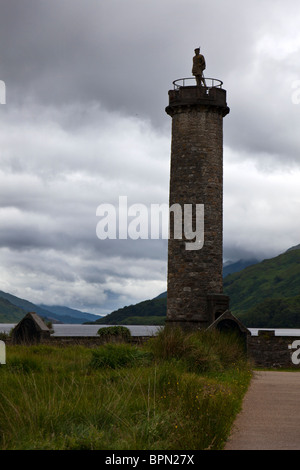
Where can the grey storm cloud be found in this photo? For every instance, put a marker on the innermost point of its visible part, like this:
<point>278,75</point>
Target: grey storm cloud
<point>87,84</point>
<point>123,54</point>
<point>58,53</point>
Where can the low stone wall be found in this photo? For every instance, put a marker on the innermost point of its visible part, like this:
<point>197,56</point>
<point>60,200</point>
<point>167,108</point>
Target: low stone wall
<point>265,349</point>
<point>89,341</point>
<point>268,350</point>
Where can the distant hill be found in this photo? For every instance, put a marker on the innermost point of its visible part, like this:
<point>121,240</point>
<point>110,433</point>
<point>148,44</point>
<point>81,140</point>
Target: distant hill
<point>70,315</point>
<point>297,247</point>
<point>25,306</point>
<point>237,266</point>
<point>161,296</point>
<point>17,308</point>
<point>148,312</point>
<point>267,294</point>
<point>274,313</point>
<point>10,313</point>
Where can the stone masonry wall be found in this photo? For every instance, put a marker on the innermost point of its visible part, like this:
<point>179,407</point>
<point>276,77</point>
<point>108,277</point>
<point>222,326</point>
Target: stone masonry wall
<point>196,178</point>
<point>267,350</point>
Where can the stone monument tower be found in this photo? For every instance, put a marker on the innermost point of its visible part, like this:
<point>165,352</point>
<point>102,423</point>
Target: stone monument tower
<point>195,273</point>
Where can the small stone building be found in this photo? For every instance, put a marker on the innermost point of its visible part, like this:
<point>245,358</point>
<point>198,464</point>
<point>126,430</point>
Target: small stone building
<point>227,322</point>
<point>30,330</point>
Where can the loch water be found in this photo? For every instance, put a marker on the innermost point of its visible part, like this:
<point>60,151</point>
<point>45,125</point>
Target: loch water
<point>88,330</point>
<point>136,330</point>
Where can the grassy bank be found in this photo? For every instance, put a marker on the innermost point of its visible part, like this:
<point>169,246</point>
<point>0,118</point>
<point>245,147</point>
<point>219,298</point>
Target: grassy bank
<point>177,391</point>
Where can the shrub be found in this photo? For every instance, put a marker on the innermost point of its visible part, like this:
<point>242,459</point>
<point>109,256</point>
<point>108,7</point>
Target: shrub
<point>117,332</point>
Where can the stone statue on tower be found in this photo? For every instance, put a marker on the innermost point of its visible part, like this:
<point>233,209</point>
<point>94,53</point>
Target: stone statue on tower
<point>198,67</point>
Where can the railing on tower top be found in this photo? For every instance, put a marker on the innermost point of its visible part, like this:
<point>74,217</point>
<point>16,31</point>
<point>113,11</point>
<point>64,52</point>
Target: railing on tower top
<point>209,82</point>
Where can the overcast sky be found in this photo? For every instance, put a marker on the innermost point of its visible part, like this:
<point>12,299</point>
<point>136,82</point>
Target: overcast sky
<point>84,122</point>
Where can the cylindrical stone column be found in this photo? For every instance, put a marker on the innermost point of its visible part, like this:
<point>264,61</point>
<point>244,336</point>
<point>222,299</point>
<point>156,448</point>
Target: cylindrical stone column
<point>195,276</point>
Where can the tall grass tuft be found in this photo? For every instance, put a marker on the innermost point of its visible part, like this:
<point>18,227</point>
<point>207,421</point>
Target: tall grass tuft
<point>118,355</point>
<point>201,351</point>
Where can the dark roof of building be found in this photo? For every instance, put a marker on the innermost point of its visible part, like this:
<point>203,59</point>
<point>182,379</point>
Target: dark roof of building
<point>227,316</point>
<point>39,323</point>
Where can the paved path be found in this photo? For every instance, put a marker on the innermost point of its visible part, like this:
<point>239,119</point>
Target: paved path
<point>270,416</point>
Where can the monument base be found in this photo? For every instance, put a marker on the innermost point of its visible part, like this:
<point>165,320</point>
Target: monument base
<point>216,305</point>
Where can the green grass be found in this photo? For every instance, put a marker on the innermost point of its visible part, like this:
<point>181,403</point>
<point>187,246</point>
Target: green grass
<point>178,391</point>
